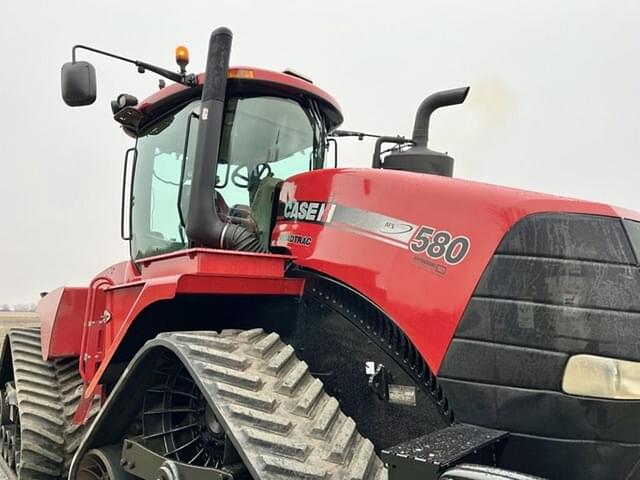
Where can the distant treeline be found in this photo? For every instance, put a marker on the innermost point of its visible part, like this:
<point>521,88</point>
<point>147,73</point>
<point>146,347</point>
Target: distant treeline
<point>21,307</point>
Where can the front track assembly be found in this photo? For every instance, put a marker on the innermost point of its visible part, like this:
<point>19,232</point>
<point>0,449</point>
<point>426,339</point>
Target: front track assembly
<point>240,402</point>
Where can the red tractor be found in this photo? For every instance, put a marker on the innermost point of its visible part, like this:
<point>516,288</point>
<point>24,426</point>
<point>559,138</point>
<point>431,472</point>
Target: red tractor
<point>278,319</point>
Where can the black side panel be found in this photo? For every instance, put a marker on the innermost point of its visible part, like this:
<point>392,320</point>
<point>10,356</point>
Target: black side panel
<point>504,364</point>
<point>553,327</point>
<point>546,413</point>
<point>633,230</point>
<point>558,284</point>
<point>562,235</point>
<point>553,281</point>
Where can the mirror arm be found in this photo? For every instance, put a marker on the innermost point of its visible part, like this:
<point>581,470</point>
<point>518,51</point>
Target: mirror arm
<point>101,52</point>
<point>188,80</point>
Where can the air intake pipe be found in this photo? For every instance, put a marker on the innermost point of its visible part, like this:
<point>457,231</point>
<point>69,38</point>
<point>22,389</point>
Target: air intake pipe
<point>419,158</point>
<point>204,227</point>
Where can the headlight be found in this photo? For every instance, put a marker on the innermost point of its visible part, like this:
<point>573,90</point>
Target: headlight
<point>593,376</point>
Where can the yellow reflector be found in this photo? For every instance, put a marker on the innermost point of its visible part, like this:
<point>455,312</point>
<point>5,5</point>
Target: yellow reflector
<point>240,73</point>
<point>594,376</point>
<point>182,56</point>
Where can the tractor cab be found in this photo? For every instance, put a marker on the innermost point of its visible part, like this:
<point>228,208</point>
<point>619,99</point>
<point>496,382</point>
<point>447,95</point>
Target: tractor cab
<point>268,134</point>
<point>267,127</point>
<point>274,126</point>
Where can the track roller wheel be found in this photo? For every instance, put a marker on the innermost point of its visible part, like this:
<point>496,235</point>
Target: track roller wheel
<point>8,444</point>
<point>102,464</point>
<point>168,471</point>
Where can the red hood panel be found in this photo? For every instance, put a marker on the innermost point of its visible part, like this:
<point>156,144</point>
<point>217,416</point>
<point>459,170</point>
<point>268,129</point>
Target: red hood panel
<point>370,230</point>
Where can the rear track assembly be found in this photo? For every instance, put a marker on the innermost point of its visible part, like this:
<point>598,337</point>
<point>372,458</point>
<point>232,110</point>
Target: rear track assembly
<point>38,439</point>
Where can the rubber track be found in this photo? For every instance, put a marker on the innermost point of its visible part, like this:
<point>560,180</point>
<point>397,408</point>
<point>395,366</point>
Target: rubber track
<point>48,394</point>
<point>71,388</point>
<point>40,408</point>
<point>284,424</point>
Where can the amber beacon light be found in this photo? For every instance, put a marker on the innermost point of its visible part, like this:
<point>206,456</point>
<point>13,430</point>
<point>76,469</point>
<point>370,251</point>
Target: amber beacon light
<point>182,58</point>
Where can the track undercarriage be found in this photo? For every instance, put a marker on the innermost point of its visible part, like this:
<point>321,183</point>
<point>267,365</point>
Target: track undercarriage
<point>203,405</point>
<point>230,405</point>
<point>38,403</point>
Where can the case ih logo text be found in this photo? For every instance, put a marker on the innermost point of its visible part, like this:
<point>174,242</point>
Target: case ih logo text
<point>308,211</point>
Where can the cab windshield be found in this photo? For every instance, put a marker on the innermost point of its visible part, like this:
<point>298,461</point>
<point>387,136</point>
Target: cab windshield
<point>264,140</point>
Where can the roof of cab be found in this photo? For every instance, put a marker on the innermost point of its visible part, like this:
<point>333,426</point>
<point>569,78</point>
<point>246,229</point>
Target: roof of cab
<point>252,74</point>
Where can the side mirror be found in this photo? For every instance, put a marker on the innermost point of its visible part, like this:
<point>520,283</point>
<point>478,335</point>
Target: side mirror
<point>78,84</point>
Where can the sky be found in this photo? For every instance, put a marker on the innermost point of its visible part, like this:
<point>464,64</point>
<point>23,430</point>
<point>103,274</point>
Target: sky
<point>554,103</point>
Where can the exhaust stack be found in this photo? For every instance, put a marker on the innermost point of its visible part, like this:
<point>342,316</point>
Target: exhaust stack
<point>204,227</point>
<point>419,158</point>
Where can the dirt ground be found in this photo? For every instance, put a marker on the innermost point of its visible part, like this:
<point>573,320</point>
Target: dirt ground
<point>16,319</point>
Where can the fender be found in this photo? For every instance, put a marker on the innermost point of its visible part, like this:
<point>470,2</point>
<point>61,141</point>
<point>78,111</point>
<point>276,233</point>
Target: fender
<point>61,315</point>
<point>113,307</point>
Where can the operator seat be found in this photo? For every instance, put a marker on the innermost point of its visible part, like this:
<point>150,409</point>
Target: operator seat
<point>238,214</point>
<point>256,218</point>
<point>262,207</point>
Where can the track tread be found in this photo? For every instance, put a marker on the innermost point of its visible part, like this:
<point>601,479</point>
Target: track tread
<point>234,377</point>
<point>48,395</point>
<point>309,398</point>
<point>266,403</point>
<point>282,421</point>
<point>265,344</point>
<point>224,358</point>
<point>280,360</point>
<point>325,418</point>
<point>71,386</point>
<point>40,408</point>
<point>362,460</point>
<point>261,419</point>
<point>342,441</point>
<point>294,378</point>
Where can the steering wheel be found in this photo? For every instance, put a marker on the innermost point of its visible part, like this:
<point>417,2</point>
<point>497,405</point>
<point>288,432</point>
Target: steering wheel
<point>259,172</point>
